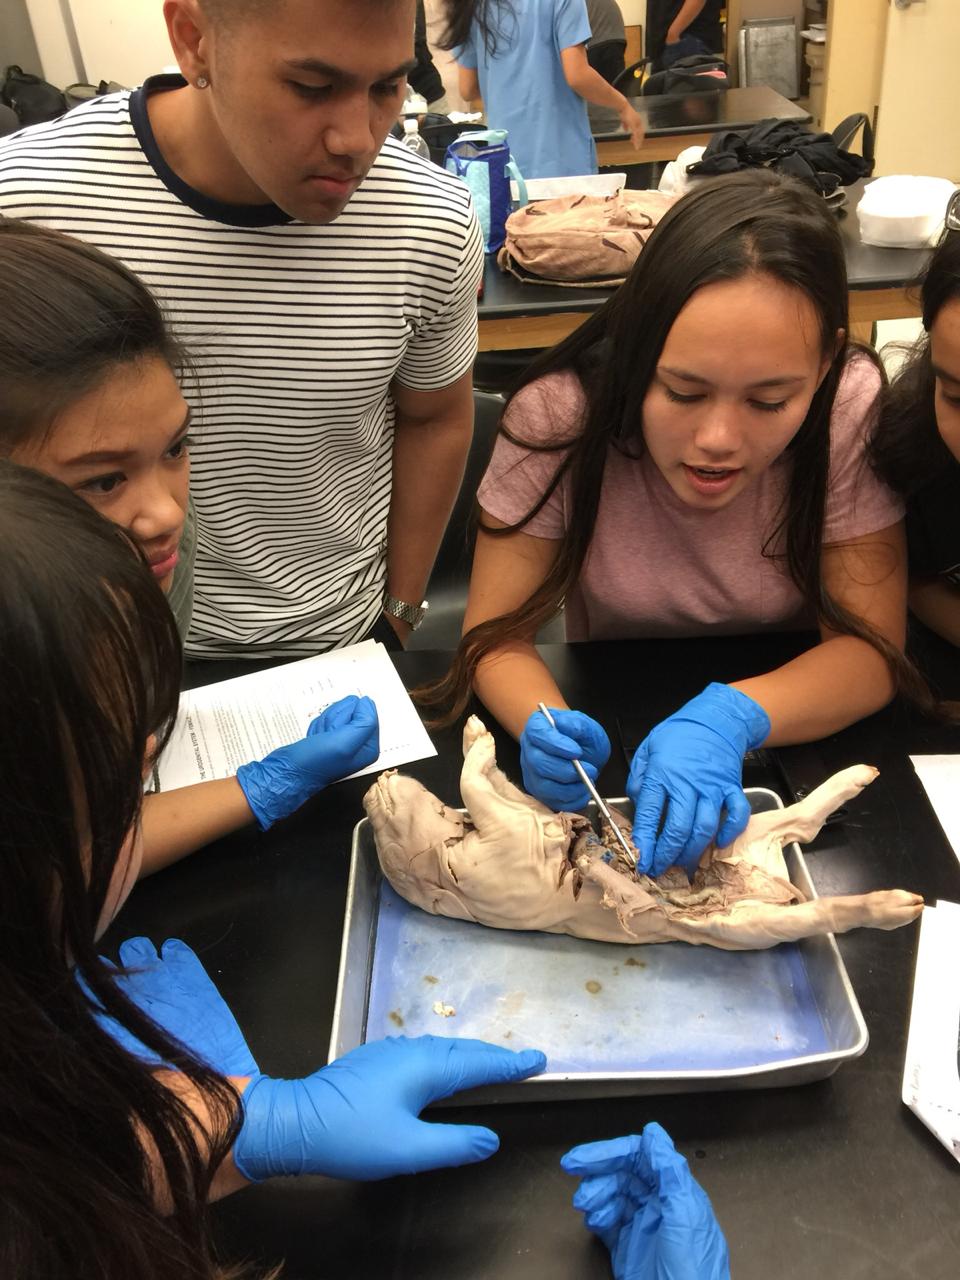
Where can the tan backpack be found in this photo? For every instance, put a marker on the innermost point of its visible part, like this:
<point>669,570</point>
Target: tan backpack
<point>581,241</point>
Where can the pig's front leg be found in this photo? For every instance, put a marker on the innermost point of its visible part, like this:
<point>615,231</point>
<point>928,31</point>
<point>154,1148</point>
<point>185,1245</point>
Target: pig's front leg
<point>804,820</point>
<point>488,794</point>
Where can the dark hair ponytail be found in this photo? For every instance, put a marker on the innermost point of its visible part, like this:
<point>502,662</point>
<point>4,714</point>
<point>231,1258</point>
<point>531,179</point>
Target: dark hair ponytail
<point>751,222</point>
<point>103,1174</point>
<point>494,18</point>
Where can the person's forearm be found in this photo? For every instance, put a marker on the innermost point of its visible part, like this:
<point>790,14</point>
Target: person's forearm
<point>468,85</point>
<point>179,822</point>
<point>590,84</point>
<point>689,10</point>
<point>822,691</point>
<point>227,1179</point>
<point>510,683</point>
<point>937,605</point>
<point>428,464</point>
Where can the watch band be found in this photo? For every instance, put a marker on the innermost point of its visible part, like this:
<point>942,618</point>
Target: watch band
<point>412,613</point>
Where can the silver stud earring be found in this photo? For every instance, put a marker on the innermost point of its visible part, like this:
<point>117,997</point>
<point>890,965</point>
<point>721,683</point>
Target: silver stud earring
<point>202,82</point>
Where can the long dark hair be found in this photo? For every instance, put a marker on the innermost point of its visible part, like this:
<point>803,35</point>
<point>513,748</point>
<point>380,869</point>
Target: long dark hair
<point>907,449</point>
<point>495,21</point>
<point>69,315</point>
<point>89,669</point>
<point>755,221</point>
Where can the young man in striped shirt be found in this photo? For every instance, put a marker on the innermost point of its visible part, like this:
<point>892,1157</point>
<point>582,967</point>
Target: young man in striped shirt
<point>324,279</point>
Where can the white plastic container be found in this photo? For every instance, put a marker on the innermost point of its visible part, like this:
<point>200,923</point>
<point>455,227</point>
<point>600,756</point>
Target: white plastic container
<point>414,104</point>
<point>904,211</point>
<point>675,181</point>
<point>589,184</point>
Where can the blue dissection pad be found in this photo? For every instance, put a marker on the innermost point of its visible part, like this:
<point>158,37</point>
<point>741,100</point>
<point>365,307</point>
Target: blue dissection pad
<point>590,1006</point>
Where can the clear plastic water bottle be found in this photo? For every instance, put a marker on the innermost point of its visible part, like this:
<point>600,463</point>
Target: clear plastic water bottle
<point>412,138</point>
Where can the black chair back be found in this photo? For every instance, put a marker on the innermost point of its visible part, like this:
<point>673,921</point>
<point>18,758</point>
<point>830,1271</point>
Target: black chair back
<point>608,57</point>
<point>630,79</point>
<point>450,579</point>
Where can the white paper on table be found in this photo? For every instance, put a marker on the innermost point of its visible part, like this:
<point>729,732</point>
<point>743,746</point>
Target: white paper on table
<point>590,184</point>
<point>222,726</point>
<point>940,776</point>
<point>931,1081</point>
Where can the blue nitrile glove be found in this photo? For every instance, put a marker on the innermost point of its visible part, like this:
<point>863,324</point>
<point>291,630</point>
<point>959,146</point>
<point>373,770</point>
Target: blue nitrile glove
<point>694,760</point>
<point>358,1117</point>
<point>546,753</point>
<point>175,991</point>
<point>342,739</point>
<point>639,1196</point>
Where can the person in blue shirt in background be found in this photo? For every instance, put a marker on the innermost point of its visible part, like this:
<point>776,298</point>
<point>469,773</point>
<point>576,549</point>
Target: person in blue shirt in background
<point>527,60</point>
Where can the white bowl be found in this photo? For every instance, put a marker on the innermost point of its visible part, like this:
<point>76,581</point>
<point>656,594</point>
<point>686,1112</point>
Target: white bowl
<point>904,211</point>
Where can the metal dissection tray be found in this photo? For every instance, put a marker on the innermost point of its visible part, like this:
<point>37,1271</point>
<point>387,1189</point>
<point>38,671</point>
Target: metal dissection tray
<point>612,1019</point>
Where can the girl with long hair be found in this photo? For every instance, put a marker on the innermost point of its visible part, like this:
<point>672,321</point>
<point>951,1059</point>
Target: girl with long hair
<point>917,445</point>
<point>527,59</point>
<point>89,373</point>
<point>690,462</point>
<point>117,1127</point>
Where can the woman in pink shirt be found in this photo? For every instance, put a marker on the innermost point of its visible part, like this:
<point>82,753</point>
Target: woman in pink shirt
<point>691,461</point>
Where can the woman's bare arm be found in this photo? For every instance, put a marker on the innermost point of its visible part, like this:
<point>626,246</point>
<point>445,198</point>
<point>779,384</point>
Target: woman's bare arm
<point>937,604</point>
<point>512,679</point>
<point>179,822</point>
<point>227,1179</point>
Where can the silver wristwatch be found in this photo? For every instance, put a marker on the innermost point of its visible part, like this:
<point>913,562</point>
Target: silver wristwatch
<point>412,613</point>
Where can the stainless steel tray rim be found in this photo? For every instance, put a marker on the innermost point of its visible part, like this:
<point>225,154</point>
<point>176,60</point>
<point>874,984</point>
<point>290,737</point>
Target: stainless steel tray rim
<point>773,1071</point>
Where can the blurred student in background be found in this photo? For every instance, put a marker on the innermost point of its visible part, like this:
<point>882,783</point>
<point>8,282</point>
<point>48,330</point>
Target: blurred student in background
<point>527,60</point>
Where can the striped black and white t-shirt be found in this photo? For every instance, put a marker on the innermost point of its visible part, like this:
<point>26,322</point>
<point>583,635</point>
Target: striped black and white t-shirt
<point>296,332</point>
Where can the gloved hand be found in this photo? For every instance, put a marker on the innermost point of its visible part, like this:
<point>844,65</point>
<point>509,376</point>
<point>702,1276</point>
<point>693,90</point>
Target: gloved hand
<point>639,1196</point>
<point>175,991</point>
<point>546,753</point>
<point>694,761</point>
<point>358,1117</point>
<point>342,739</point>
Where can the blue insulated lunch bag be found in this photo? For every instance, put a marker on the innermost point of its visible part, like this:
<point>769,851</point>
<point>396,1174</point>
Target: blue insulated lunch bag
<point>482,160</point>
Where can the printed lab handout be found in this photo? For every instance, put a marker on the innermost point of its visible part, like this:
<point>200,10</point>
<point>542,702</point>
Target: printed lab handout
<point>940,776</point>
<point>222,726</point>
<point>931,1084</point>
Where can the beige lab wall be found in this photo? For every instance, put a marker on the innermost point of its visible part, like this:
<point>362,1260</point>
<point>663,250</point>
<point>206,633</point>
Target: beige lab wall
<point>123,40</point>
<point>918,127</point>
<point>856,35</point>
<point>53,33</point>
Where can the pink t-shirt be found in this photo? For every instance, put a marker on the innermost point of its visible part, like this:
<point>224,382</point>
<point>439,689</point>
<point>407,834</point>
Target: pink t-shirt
<point>657,567</point>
